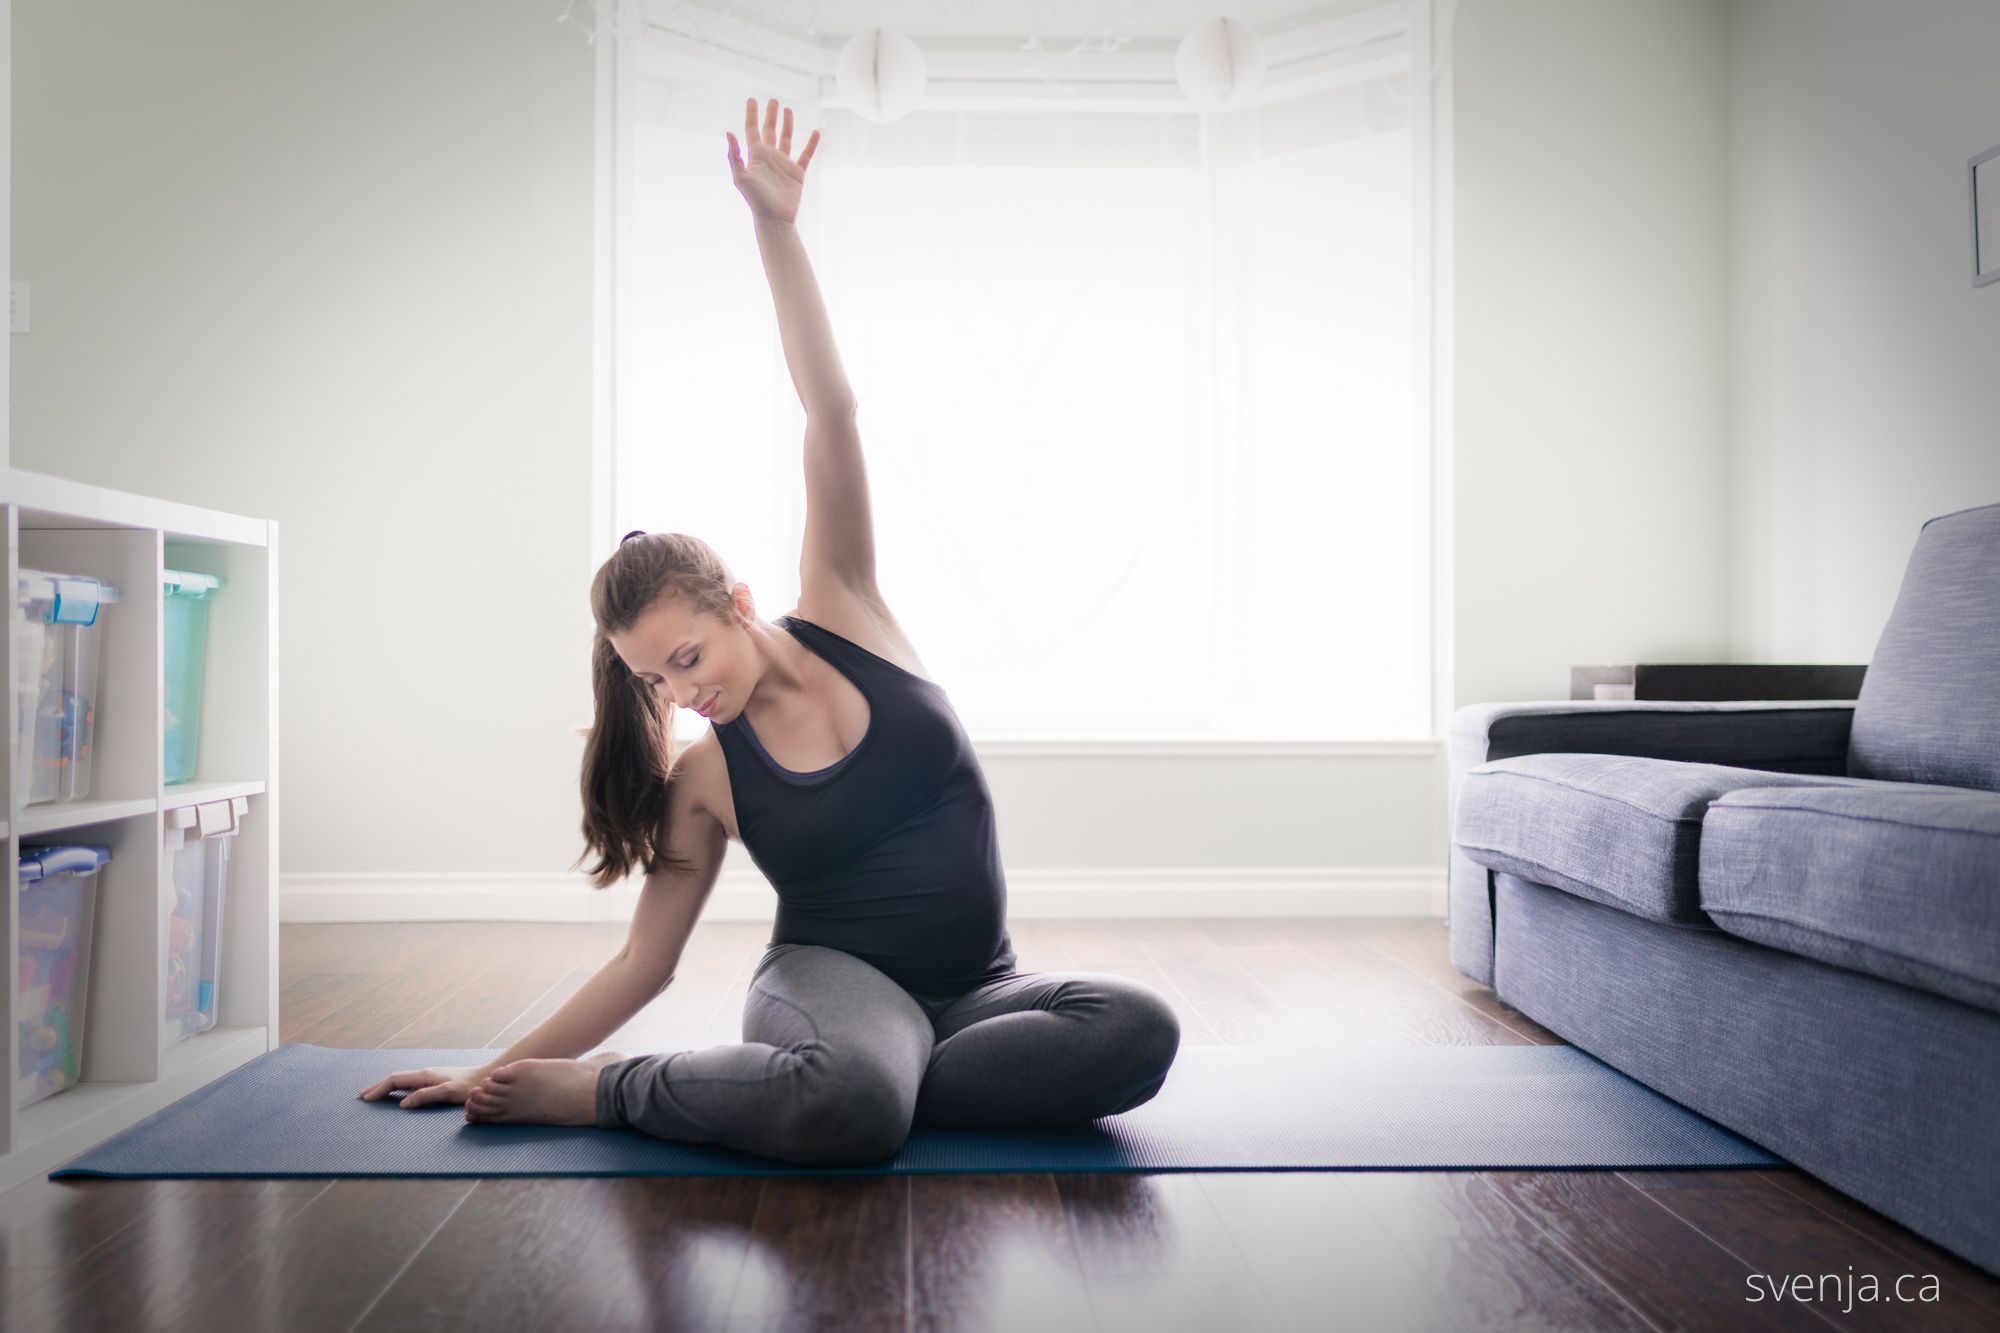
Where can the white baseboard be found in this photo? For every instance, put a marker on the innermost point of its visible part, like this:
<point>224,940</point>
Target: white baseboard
<point>744,895</point>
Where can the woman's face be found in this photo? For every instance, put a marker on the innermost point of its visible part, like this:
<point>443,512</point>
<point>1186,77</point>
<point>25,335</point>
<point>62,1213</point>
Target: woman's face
<point>694,658</point>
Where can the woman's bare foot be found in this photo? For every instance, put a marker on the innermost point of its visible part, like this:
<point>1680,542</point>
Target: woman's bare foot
<point>540,1092</point>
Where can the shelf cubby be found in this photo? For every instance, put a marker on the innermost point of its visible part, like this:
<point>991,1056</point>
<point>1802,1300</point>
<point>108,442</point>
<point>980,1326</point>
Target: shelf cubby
<point>132,1066</point>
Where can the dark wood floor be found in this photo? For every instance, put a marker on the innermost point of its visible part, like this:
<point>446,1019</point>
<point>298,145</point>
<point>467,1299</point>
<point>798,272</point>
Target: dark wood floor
<point>1173,1251</point>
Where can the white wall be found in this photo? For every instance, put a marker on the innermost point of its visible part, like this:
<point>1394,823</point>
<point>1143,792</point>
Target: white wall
<point>1862,358</point>
<point>330,264</point>
<point>1591,313</point>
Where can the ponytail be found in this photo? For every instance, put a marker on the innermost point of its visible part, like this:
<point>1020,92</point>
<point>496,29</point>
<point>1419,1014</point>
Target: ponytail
<point>628,755</point>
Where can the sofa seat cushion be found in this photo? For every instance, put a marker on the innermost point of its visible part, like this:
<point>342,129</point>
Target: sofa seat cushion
<point>1616,829</point>
<point>1897,880</point>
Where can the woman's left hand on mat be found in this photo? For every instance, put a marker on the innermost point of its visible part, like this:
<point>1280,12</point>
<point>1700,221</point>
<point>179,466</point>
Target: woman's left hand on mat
<point>441,1085</point>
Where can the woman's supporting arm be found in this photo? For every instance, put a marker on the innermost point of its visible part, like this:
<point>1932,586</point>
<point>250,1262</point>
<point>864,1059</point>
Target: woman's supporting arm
<point>802,322</point>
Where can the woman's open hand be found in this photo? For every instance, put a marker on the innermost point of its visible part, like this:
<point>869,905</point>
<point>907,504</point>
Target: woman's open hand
<point>443,1084</point>
<point>770,182</point>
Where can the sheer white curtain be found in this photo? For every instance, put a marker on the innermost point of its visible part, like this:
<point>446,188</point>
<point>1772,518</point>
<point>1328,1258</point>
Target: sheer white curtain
<point>1136,393</point>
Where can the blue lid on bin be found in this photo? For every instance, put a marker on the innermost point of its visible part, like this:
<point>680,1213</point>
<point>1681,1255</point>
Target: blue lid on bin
<point>39,863</point>
<point>187,583</point>
<point>73,599</point>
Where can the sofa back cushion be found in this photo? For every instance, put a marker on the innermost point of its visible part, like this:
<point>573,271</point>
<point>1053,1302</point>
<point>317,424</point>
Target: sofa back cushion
<point>1929,709</point>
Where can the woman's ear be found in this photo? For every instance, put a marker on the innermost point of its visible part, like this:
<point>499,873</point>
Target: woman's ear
<point>746,605</point>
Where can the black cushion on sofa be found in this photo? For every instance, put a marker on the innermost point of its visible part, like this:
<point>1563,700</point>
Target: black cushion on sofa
<point>1618,830</point>
<point>1898,880</point>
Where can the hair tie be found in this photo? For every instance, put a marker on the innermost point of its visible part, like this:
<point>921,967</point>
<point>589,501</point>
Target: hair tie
<point>636,532</point>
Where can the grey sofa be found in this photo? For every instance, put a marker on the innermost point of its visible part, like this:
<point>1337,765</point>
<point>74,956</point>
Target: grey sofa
<point>1785,916</point>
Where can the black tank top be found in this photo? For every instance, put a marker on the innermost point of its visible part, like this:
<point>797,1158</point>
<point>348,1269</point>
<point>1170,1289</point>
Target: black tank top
<point>890,854</point>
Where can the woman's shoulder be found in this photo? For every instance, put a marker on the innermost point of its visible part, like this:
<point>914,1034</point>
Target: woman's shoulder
<point>863,619</point>
<point>700,765</point>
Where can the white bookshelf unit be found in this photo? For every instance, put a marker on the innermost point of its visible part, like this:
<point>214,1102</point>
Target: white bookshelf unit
<point>131,1066</point>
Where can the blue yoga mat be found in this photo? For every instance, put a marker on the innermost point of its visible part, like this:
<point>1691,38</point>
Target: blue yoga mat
<point>294,1112</point>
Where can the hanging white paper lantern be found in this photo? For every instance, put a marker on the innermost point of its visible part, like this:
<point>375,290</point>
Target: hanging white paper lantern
<point>881,74</point>
<point>1219,63</point>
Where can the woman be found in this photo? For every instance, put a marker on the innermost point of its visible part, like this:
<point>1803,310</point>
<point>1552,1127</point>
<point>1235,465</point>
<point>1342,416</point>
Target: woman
<point>888,994</point>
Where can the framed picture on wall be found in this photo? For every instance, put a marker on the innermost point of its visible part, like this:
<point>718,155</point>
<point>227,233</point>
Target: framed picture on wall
<point>1986,217</point>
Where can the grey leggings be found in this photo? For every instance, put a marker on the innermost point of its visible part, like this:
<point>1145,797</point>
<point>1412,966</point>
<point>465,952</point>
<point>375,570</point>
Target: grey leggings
<point>838,1060</point>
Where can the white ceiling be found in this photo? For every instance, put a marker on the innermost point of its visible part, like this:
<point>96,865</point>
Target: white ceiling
<point>1049,21</point>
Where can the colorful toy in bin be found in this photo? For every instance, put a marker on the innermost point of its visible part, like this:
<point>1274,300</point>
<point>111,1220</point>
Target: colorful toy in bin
<point>58,901</point>
<point>56,633</point>
<point>199,839</point>
<point>185,610</point>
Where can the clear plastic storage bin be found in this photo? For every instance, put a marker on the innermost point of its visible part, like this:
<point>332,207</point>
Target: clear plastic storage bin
<point>58,903</point>
<point>186,614</point>
<point>56,633</point>
<point>199,838</point>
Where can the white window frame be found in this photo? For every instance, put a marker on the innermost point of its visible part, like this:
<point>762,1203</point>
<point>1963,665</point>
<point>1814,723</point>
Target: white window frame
<point>1306,54</point>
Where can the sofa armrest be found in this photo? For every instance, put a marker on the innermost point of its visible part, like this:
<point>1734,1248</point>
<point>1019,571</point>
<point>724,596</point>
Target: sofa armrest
<point>1804,736</point>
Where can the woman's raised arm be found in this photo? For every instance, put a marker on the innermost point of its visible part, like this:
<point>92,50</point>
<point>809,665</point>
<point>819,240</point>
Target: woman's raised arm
<point>772,184</point>
<point>839,546</point>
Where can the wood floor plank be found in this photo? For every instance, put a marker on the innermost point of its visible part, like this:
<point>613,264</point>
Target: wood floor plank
<point>1110,940</point>
<point>56,1223</point>
<point>499,1257</point>
<point>1320,1257</point>
<point>992,1254</point>
<point>1918,1254</point>
<point>1670,1273</point>
<point>1156,1254</point>
<point>671,1259</point>
<point>20,1285</point>
<point>1439,1014</point>
<point>409,974</point>
<point>1781,1237</point>
<point>489,1000</point>
<point>306,949</point>
<point>1489,1267</point>
<point>1240,1009</point>
<point>304,1001</point>
<point>540,1007</point>
<point>152,1274</point>
<point>324,967</point>
<point>803,1321</point>
<point>832,1247</point>
<point>326,1265</point>
<point>1341,992</point>
<point>1424,952</point>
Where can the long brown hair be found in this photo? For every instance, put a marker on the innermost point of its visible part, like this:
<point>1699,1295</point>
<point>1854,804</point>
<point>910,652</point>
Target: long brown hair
<point>629,756</point>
